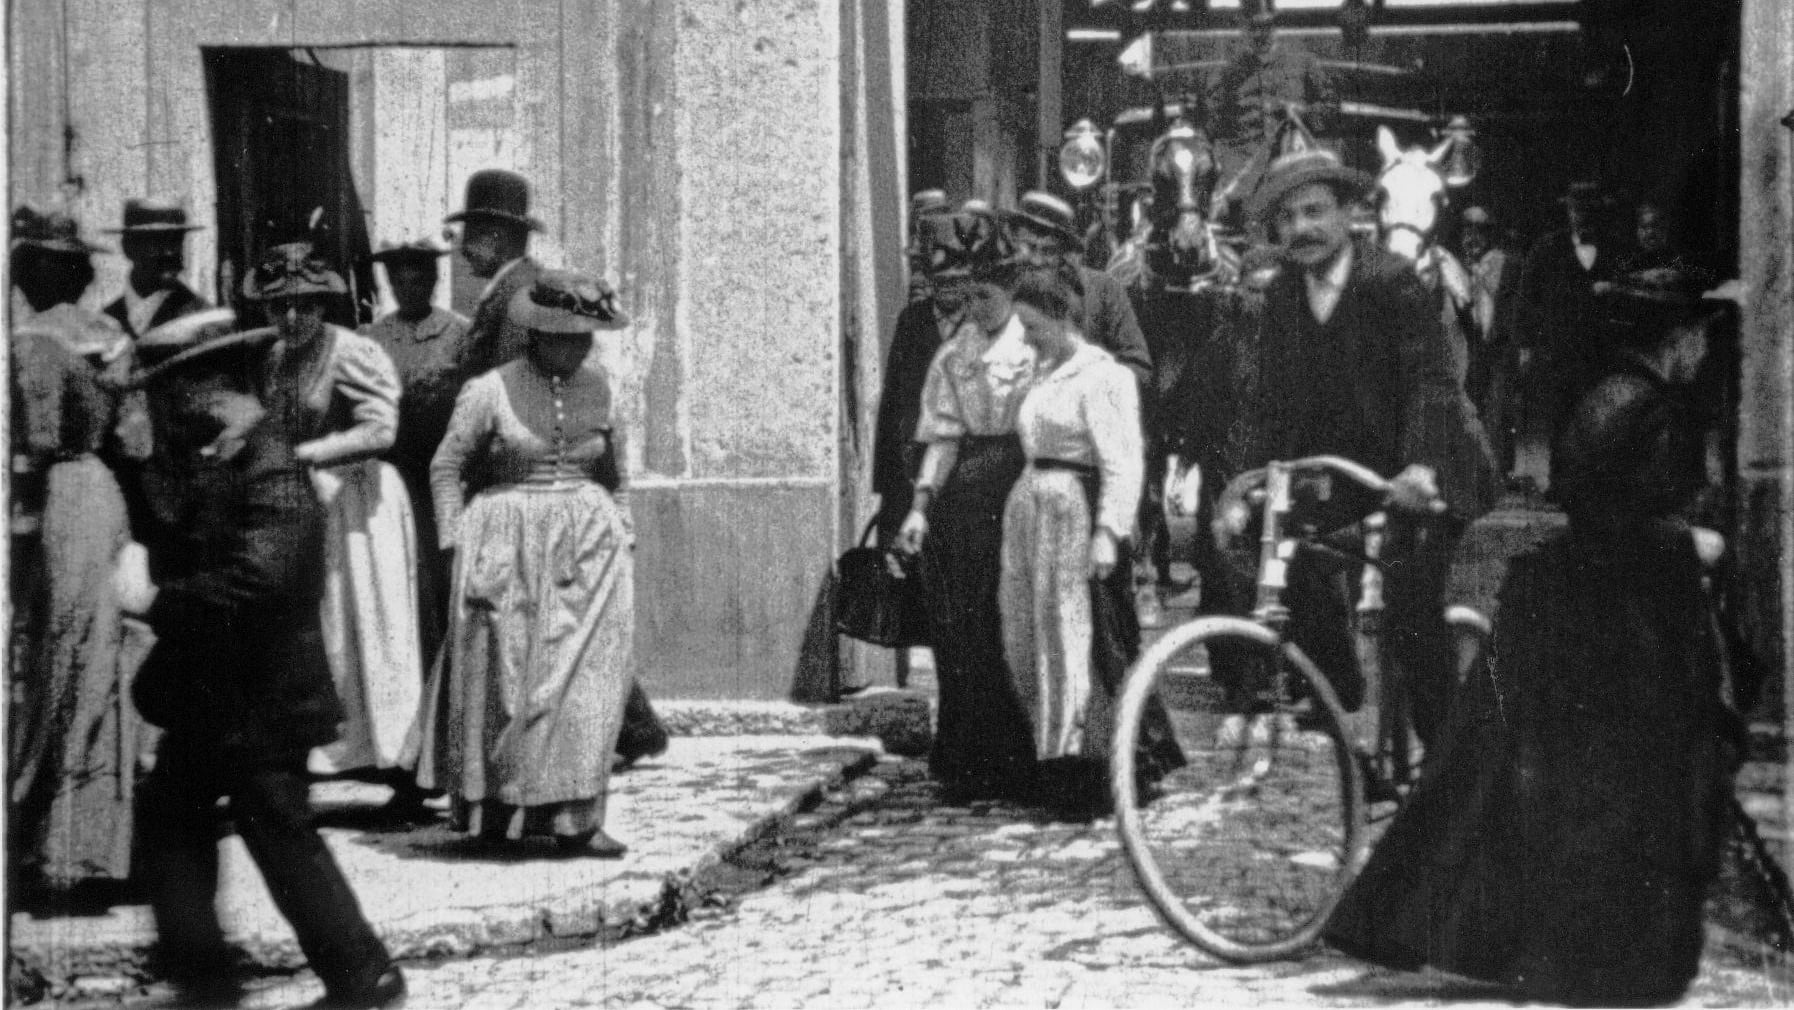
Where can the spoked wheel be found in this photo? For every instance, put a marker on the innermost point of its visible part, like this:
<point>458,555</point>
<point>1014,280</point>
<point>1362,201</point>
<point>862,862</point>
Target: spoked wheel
<point>1247,848</point>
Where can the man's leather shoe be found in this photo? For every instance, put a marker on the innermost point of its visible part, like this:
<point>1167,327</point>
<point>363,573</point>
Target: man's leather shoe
<point>387,993</point>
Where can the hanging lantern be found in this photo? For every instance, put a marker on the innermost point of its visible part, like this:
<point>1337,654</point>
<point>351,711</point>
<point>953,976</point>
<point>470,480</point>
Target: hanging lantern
<point>1462,158</point>
<point>1082,159</point>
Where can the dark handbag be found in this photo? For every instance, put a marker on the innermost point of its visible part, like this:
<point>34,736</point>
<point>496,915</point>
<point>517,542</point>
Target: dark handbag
<point>878,596</point>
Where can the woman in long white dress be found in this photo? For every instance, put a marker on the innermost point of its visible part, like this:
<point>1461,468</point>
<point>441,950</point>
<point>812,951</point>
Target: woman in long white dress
<point>1069,629</point>
<point>338,394</point>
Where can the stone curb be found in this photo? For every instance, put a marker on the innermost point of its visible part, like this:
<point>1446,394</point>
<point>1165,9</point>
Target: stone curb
<point>66,966</point>
<point>901,719</point>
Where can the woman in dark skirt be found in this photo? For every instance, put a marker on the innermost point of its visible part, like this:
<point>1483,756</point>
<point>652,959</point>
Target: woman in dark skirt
<point>983,747</point>
<point>1562,841</point>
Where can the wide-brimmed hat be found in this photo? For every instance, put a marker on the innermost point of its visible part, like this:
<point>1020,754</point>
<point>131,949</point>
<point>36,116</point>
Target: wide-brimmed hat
<point>419,250</point>
<point>1042,211</point>
<point>1586,193</point>
<point>145,216</point>
<point>567,301</point>
<point>182,333</point>
<point>499,195</point>
<point>1296,169</point>
<point>970,243</point>
<point>292,270</point>
<point>1643,301</point>
<point>52,231</point>
<point>206,338</point>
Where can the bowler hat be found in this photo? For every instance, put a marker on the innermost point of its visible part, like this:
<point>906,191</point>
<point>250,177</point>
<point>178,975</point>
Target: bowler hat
<point>1042,211</point>
<point>292,270</point>
<point>52,231</point>
<point>1292,171</point>
<point>567,301</point>
<point>496,194</point>
<point>421,250</point>
<point>145,216</point>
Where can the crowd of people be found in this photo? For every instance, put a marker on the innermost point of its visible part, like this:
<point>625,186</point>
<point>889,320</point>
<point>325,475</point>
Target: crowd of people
<point>1549,847</point>
<point>252,552</point>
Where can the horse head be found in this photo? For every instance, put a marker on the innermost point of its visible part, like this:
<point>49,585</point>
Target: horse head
<point>1410,192</point>
<point>1184,171</point>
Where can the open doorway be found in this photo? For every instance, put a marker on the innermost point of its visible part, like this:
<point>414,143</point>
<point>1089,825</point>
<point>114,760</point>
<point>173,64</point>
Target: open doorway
<point>353,147</point>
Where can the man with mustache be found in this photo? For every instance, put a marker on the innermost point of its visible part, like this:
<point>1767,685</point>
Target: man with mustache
<point>154,237</point>
<point>1353,361</point>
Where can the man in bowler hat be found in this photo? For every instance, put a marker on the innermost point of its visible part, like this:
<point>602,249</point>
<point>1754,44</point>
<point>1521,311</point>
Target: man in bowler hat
<point>238,679</point>
<point>495,229</point>
<point>154,237</point>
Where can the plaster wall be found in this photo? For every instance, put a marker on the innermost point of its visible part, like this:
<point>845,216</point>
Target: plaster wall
<point>692,150</point>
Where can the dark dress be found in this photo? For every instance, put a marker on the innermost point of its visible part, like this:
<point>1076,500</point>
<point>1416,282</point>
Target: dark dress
<point>1563,840</point>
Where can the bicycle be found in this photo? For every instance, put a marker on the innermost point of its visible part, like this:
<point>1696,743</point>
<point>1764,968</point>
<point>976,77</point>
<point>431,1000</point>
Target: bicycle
<point>1246,850</point>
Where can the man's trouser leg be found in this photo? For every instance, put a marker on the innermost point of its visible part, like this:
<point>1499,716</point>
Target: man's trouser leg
<point>177,860</point>
<point>1416,640</point>
<point>273,814</point>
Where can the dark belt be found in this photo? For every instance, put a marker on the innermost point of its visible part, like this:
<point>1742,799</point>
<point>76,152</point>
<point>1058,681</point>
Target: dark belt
<point>1081,469</point>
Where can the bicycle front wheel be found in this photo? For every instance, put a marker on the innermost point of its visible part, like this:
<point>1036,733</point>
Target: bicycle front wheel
<point>1247,848</point>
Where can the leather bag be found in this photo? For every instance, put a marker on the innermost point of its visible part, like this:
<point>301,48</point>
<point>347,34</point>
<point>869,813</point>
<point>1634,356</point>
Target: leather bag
<point>878,596</point>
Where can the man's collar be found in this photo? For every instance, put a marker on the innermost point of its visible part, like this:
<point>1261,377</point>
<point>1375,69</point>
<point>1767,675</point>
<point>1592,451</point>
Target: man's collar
<point>1336,273</point>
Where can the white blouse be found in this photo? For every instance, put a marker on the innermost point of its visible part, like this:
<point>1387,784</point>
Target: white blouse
<point>976,383</point>
<point>1088,411</point>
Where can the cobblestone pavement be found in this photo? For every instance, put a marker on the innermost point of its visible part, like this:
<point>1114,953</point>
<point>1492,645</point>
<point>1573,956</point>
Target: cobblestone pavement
<point>884,897</point>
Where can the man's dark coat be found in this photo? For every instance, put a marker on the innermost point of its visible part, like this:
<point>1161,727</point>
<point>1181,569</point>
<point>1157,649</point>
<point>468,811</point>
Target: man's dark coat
<point>1110,323</point>
<point>239,657</point>
<point>1374,383</point>
<point>1562,321</point>
<point>492,339</point>
<point>181,301</point>
<point>895,453</point>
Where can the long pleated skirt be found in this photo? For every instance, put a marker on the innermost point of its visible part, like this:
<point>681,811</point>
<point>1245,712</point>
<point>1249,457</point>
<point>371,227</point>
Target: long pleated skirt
<point>982,745</point>
<point>1069,638</point>
<point>75,735</point>
<point>524,709</point>
<point>369,615</point>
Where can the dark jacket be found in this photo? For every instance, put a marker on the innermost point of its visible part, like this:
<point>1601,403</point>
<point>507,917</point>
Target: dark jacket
<point>1109,323</point>
<point>492,339</point>
<point>181,301</point>
<point>1244,97</point>
<point>239,655</point>
<point>895,453</point>
<point>1374,383</point>
<point>1560,318</point>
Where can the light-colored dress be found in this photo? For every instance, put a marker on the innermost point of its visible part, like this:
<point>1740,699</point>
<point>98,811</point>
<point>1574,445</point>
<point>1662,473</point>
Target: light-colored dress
<point>524,711</point>
<point>74,734</point>
<point>340,401</point>
<point>1083,419</point>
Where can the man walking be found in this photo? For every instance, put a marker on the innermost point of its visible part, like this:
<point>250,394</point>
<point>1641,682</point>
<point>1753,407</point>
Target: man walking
<point>154,238</point>
<point>1354,362</point>
<point>239,680</point>
<point>495,229</point>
